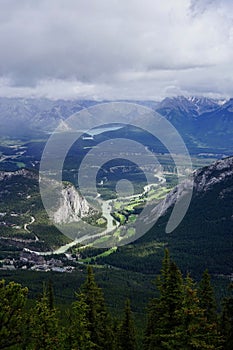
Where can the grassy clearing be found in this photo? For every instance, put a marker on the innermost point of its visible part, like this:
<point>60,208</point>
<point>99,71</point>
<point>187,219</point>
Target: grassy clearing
<point>132,218</point>
<point>102,239</point>
<point>117,233</point>
<point>159,194</point>
<point>131,232</point>
<point>20,164</point>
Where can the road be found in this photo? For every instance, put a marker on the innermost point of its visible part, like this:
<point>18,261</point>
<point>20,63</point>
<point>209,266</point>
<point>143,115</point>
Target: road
<point>29,223</point>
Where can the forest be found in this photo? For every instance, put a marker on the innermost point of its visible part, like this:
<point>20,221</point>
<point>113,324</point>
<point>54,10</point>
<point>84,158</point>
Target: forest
<point>182,315</point>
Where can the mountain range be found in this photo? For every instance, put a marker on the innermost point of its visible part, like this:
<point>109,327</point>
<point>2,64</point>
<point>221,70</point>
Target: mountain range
<point>202,122</point>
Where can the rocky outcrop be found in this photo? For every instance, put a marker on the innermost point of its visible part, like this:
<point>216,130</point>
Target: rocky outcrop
<point>218,172</point>
<point>73,207</point>
<point>204,180</point>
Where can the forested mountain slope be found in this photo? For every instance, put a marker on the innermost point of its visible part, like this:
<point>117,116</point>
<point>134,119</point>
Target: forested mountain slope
<point>204,239</point>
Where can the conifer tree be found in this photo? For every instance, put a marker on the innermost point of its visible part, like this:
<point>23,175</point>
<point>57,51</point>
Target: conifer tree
<point>162,318</point>
<point>194,330</point>
<point>79,335</point>
<point>12,301</point>
<point>207,298</point>
<point>226,321</point>
<point>127,339</point>
<point>177,319</point>
<point>45,331</point>
<point>98,320</point>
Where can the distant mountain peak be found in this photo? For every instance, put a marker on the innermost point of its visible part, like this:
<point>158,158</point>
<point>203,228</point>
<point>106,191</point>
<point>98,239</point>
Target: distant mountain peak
<point>191,104</point>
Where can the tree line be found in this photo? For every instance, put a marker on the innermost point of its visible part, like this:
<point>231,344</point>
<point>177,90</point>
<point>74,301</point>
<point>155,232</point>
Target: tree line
<point>183,316</point>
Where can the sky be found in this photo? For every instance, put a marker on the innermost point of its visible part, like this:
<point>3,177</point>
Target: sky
<point>116,49</point>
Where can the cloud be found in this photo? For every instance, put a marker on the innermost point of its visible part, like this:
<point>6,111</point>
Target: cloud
<point>115,49</point>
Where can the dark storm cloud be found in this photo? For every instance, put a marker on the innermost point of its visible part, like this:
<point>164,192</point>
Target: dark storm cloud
<point>115,49</point>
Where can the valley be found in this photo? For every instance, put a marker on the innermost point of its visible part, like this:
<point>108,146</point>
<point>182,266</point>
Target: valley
<point>30,244</point>
<point>116,175</point>
<point>115,215</point>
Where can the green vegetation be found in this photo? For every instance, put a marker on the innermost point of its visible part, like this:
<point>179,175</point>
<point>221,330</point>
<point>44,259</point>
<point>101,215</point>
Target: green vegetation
<point>92,254</point>
<point>20,164</point>
<point>127,337</point>
<point>119,217</point>
<point>12,301</point>
<point>180,315</point>
<point>126,210</point>
<point>203,240</point>
<point>158,193</point>
<point>177,318</point>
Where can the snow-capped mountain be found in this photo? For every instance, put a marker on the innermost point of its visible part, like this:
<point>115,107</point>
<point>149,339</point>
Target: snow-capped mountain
<point>202,121</point>
<point>199,120</point>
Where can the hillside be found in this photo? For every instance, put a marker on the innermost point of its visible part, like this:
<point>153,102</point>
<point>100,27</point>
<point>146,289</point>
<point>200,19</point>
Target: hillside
<point>204,239</point>
<point>23,220</point>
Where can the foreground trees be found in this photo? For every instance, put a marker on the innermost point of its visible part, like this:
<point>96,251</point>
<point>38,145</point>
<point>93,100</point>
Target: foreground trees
<point>96,321</point>
<point>44,331</point>
<point>127,336</point>
<point>182,316</point>
<point>12,301</point>
<point>179,318</point>
<point>226,323</point>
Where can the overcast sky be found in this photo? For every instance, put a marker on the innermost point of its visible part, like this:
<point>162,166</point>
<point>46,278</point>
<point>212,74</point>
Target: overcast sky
<point>116,49</point>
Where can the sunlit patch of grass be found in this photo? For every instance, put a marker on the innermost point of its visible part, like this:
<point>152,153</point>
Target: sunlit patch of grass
<point>131,232</point>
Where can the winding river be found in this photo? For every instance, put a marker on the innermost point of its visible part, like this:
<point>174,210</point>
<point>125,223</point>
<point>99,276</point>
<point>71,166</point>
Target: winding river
<point>106,207</point>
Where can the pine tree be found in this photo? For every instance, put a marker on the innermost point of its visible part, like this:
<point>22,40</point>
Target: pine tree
<point>45,331</point>
<point>26,332</point>
<point>12,301</point>
<point>177,318</point>
<point>193,331</point>
<point>126,338</point>
<point>162,318</point>
<point>98,320</point>
<point>207,298</point>
<point>79,335</point>
<point>226,322</point>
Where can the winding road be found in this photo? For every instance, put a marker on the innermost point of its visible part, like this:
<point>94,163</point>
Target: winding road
<point>29,223</point>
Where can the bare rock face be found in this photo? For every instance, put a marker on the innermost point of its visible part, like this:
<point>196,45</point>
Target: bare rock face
<point>73,207</point>
<point>218,172</point>
<point>204,180</point>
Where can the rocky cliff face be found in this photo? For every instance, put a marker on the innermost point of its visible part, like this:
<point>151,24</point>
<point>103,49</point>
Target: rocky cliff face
<point>73,207</point>
<point>209,176</point>
<point>205,180</point>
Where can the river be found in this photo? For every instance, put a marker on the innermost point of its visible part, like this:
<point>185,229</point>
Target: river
<point>106,210</point>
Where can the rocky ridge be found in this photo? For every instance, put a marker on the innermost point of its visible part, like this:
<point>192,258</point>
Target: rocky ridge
<point>73,207</point>
<point>202,181</point>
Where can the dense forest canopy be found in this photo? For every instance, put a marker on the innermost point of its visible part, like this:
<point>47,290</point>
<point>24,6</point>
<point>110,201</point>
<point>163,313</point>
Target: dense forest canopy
<point>183,315</point>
